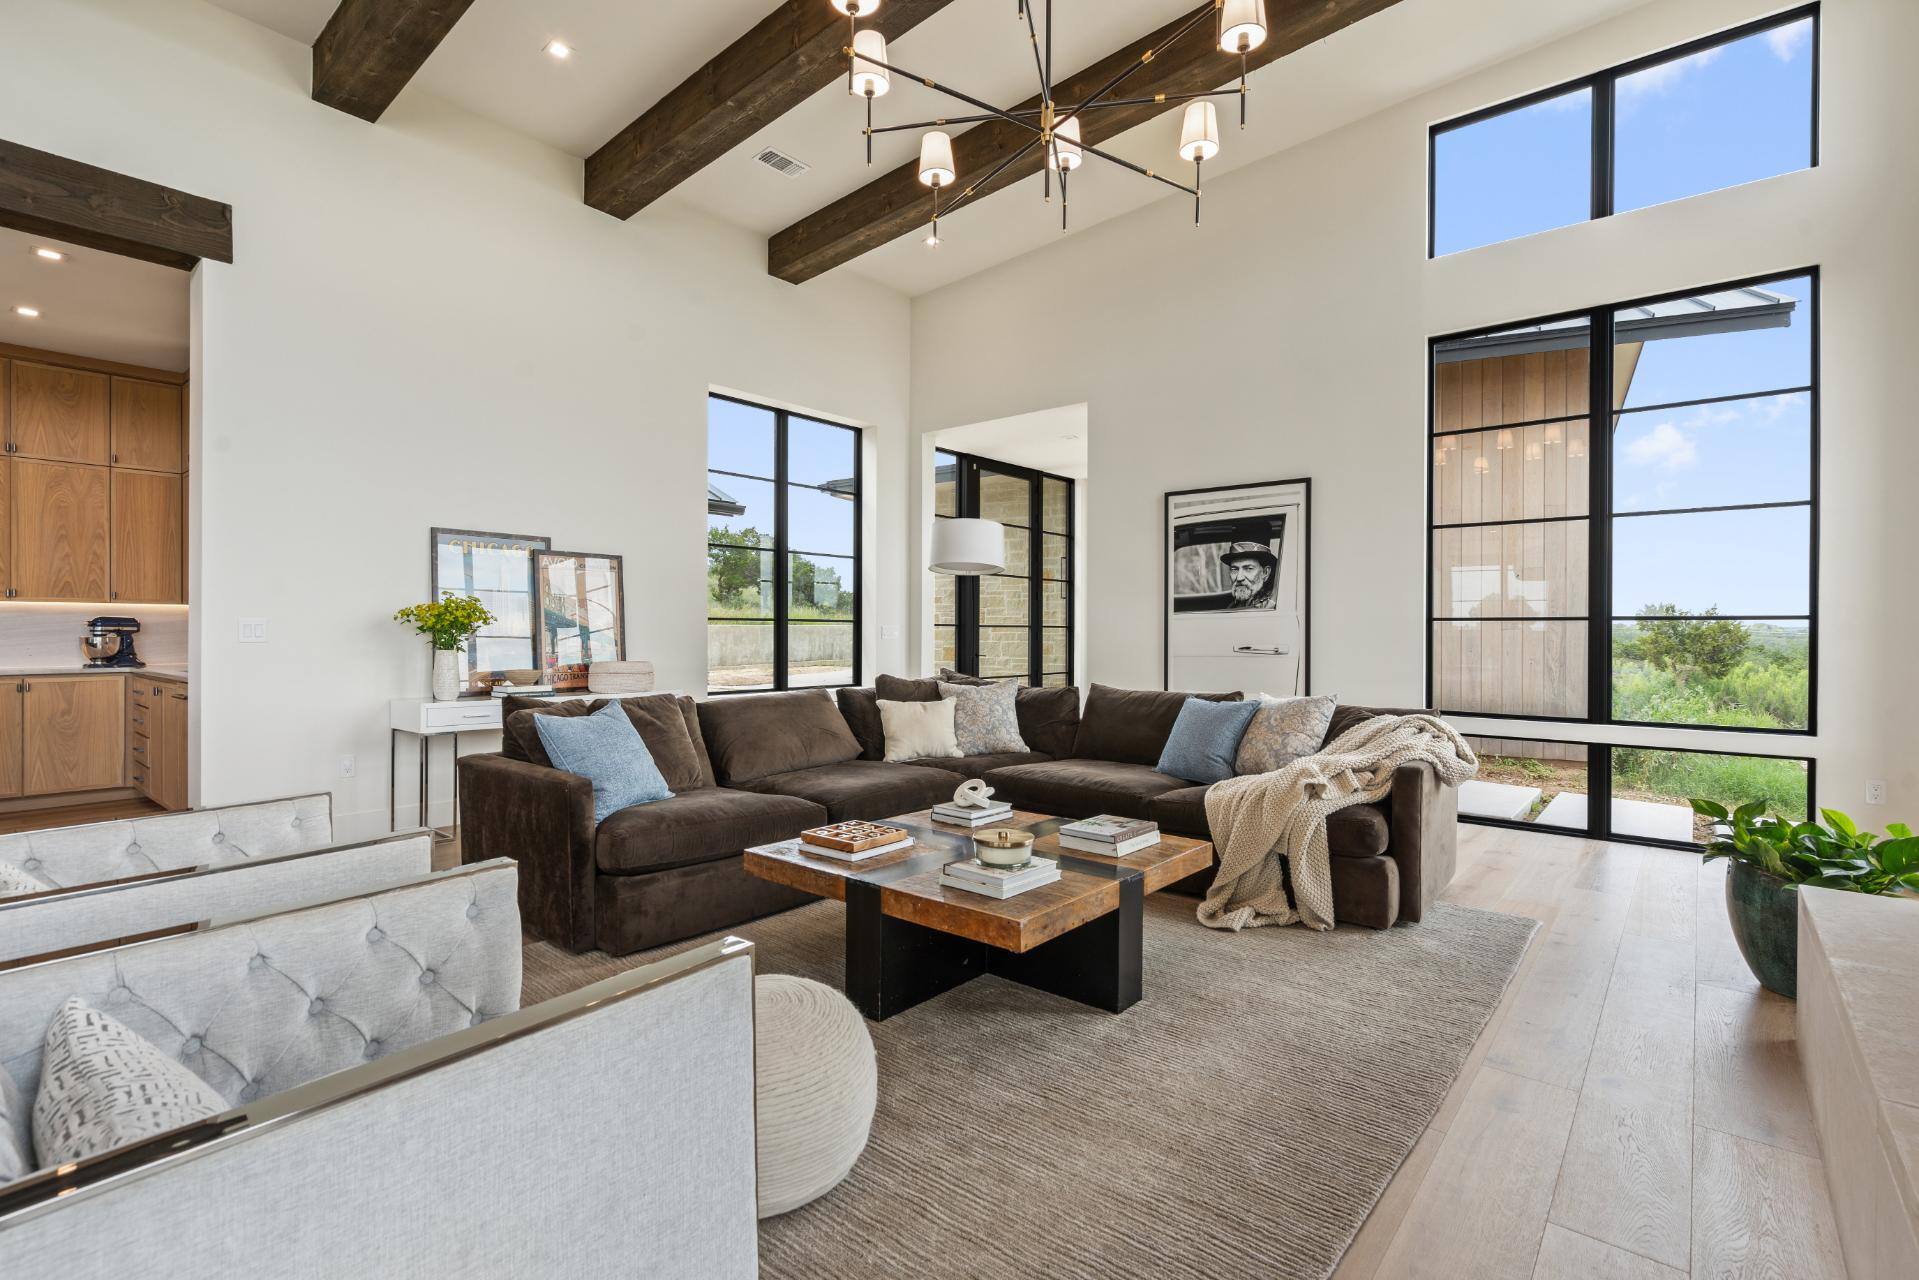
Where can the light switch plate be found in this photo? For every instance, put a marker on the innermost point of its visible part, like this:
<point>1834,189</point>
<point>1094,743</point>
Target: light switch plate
<point>253,631</point>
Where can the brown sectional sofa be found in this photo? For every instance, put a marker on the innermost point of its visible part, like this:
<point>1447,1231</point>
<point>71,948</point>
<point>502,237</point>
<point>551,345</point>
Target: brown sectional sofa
<point>753,769</point>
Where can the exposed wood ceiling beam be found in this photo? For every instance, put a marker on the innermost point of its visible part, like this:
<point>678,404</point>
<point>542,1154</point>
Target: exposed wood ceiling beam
<point>371,48</point>
<point>791,54</point>
<point>48,195</point>
<point>895,203</point>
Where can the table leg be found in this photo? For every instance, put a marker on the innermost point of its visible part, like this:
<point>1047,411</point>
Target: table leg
<point>425,782</point>
<point>1098,963</point>
<point>892,965</point>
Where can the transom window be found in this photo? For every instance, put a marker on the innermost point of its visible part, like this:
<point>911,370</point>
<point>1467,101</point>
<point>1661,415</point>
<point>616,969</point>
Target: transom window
<point>1725,110</point>
<point>783,496</point>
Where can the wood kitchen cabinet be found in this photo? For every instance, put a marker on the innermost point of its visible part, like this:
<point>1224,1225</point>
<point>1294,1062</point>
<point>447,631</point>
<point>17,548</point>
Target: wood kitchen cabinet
<point>157,739</point>
<point>146,537</point>
<point>58,414</point>
<point>11,696</point>
<point>146,425</point>
<point>60,531</point>
<point>72,734</point>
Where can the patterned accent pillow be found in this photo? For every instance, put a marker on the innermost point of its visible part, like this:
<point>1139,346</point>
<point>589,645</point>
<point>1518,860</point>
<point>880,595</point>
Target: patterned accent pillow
<point>985,717</point>
<point>17,881</point>
<point>16,1131</point>
<point>103,1085</point>
<point>1283,730</point>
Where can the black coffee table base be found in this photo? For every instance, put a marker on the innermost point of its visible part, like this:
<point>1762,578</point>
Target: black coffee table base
<point>892,965</point>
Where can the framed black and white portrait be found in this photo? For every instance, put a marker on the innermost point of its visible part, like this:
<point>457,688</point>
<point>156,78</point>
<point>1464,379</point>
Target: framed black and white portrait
<point>1238,579</point>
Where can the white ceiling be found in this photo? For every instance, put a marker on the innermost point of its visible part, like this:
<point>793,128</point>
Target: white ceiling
<point>1047,440</point>
<point>630,54</point>
<point>93,304</point>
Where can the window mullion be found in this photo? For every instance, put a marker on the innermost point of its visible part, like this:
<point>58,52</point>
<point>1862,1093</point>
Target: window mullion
<point>1603,138</point>
<point>1599,527</point>
<point>781,541</point>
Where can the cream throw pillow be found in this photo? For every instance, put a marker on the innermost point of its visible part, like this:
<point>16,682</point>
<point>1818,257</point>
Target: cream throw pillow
<point>103,1085</point>
<point>919,730</point>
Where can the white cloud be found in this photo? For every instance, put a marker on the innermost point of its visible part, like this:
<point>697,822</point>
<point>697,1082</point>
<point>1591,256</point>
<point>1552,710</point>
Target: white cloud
<point>1786,42</point>
<point>1664,446</point>
<point>1658,79</point>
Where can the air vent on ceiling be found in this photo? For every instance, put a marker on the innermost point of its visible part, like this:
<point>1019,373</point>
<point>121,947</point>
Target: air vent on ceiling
<point>781,163</point>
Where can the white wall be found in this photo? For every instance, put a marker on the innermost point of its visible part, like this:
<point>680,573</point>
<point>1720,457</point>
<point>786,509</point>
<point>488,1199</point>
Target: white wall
<point>424,325</point>
<point>1311,279</point>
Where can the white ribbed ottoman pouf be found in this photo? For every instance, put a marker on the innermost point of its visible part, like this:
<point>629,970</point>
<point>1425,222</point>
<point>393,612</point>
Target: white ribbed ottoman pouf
<point>817,1086</point>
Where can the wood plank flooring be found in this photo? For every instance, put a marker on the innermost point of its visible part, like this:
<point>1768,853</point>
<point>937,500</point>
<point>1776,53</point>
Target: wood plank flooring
<point>1635,1109</point>
<point>75,814</point>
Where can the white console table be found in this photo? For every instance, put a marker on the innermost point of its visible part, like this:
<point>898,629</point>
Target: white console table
<point>426,719</point>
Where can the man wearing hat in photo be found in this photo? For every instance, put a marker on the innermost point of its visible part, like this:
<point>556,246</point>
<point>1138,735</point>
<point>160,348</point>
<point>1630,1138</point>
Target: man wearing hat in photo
<point>1250,570</point>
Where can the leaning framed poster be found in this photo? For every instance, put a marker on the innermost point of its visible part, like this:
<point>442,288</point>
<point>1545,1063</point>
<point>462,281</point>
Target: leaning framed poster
<point>1239,588</point>
<point>497,568</point>
<point>582,614</point>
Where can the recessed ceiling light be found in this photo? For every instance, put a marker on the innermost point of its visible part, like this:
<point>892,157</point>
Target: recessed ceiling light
<point>51,255</point>
<point>559,49</point>
<point>27,313</point>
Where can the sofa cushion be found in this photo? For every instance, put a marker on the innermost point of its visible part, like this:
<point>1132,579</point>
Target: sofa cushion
<point>1205,740</point>
<point>1130,725</point>
<point>901,689</point>
<point>700,826</point>
<point>1361,831</point>
<point>1345,717</point>
<point>1283,730</point>
<point>860,708</point>
<point>919,730</point>
<point>1082,788</point>
<point>866,790</point>
<point>606,750</point>
<point>104,1086</point>
<point>667,723</point>
<point>985,716</point>
<point>1049,719</point>
<point>755,736</point>
<point>980,766</point>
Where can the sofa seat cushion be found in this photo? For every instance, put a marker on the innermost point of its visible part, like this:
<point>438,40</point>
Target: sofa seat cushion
<point>697,826</point>
<point>756,735</point>
<point>865,790</point>
<point>1357,832</point>
<point>1082,788</point>
<point>980,766</point>
<point>1130,725</point>
<point>667,723</point>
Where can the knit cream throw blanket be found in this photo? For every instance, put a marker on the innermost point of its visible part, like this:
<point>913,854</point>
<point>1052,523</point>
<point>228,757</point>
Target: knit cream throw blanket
<point>1259,819</point>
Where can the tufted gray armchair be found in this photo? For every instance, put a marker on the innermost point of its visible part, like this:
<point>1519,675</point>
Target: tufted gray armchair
<point>96,852</point>
<point>394,1113</point>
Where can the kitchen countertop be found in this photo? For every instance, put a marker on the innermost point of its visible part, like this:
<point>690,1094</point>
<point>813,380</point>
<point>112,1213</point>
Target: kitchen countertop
<point>156,670</point>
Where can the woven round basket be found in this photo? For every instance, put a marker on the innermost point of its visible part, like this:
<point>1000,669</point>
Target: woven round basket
<point>817,1086</point>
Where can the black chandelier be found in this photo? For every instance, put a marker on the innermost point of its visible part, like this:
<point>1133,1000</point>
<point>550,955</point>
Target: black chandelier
<point>1056,127</point>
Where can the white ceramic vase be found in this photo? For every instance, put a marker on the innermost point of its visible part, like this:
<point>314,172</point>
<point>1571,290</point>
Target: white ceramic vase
<point>446,674</point>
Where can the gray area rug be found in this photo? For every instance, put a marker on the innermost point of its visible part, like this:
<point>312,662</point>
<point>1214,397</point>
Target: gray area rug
<point>1241,1120</point>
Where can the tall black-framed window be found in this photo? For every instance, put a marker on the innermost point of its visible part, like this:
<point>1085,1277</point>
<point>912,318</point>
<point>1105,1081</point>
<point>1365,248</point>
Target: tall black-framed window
<point>783,556</point>
<point>1624,531</point>
<point>1723,110</point>
<point>1017,623</point>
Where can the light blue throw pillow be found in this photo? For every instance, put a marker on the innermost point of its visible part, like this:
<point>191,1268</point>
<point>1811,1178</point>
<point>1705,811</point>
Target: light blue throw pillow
<point>606,749</point>
<point>1205,739</point>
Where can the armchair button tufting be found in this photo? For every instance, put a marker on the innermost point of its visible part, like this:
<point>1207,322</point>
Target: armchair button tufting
<point>133,847</point>
<point>190,1045</point>
<point>317,1008</point>
<point>372,1048</point>
<point>120,995</point>
<point>473,911</point>
<point>258,962</point>
<point>476,1019</point>
<point>296,822</point>
<point>375,934</point>
<point>31,864</point>
<point>219,837</point>
<point>426,978</point>
<point>251,1092</point>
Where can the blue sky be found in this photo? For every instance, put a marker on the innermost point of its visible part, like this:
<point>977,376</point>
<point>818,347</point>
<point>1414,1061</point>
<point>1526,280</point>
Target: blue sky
<point>740,438</point>
<point>1729,115</point>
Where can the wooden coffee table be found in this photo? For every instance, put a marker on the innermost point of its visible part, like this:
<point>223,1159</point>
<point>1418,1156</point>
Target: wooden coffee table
<point>908,939</point>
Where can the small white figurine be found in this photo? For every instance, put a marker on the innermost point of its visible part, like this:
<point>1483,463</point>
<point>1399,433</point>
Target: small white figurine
<point>973,794</point>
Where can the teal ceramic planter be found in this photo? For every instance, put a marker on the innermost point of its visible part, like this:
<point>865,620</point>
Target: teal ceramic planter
<point>1764,911</point>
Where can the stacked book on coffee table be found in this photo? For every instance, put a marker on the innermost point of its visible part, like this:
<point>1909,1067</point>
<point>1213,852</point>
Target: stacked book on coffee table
<point>998,882</point>
<point>1113,836</point>
<point>964,816</point>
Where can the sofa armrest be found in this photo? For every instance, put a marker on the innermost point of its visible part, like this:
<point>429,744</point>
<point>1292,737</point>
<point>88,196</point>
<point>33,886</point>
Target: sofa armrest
<point>542,818</point>
<point>1425,836</point>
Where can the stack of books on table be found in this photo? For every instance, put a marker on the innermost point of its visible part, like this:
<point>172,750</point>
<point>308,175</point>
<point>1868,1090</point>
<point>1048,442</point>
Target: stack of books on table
<point>523,690</point>
<point>960,816</point>
<point>997,882</point>
<point>1113,836</point>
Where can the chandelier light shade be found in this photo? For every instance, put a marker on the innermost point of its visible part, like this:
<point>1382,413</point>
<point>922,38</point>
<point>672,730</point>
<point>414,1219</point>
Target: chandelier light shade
<point>936,159</point>
<point>1199,137</point>
<point>1065,153</point>
<point>870,77</point>
<point>1055,127</point>
<point>1242,26</point>
<point>968,548</point>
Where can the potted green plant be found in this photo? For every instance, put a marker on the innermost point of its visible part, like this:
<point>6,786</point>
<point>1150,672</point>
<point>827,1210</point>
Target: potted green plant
<point>1772,856</point>
<point>448,622</point>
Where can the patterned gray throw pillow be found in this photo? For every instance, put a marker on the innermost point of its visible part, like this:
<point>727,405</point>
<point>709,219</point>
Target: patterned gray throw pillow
<point>1283,730</point>
<point>18,881</point>
<point>985,717</point>
<point>103,1085</point>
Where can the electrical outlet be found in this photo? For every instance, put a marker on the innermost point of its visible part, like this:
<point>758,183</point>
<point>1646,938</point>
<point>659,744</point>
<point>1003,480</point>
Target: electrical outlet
<point>253,631</point>
<point>1875,792</point>
<point>346,766</point>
